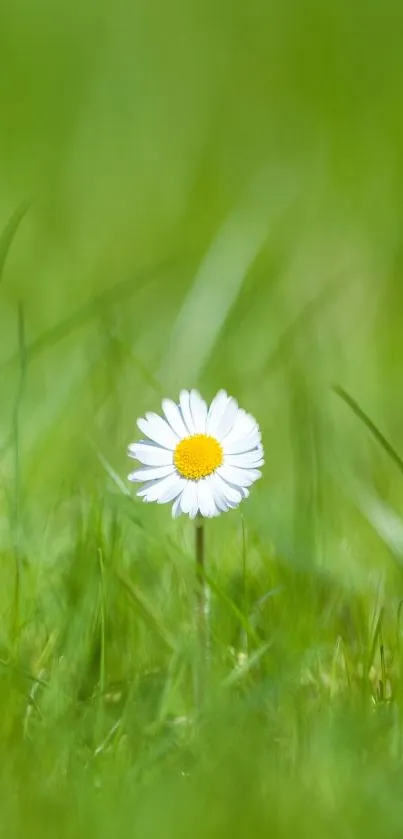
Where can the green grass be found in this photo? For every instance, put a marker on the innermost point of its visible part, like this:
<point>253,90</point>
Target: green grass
<point>201,195</point>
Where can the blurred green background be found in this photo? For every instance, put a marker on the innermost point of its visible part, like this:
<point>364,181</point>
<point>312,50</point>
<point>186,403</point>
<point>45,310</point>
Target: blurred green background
<point>209,195</point>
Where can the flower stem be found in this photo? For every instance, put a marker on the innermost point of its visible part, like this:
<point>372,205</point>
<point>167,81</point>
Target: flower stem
<point>201,589</point>
<point>244,582</point>
<point>201,616</point>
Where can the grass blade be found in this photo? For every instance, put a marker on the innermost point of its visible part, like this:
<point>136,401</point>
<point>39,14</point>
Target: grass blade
<point>7,236</point>
<point>379,437</point>
<point>16,433</point>
<point>146,611</point>
<point>93,308</point>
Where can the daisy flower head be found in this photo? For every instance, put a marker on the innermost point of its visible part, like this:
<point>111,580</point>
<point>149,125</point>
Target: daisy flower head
<point>202,459</point>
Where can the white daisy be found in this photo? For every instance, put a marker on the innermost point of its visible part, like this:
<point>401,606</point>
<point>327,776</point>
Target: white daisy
<point>202,459</point>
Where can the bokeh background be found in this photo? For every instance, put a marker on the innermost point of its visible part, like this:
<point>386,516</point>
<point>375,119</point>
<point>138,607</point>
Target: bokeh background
<point>201,194</point>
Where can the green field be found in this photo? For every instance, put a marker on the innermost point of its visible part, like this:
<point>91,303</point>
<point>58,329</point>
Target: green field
<point>201,195</point>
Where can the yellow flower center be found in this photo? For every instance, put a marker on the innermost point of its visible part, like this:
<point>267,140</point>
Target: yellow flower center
<point>197,456</point>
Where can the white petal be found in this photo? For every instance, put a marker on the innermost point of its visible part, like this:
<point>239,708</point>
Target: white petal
<point>164,490</point>
<point>244,425</point>
<point>205,498</point>
<point>151,455</point>
<point>215,511</point>
<point>247,460</point>
<point>189,500</point>
<point>171,491</point>
<point>184,399</point>
<point>239,477</point>
<point>151,474</point>
<point>244,444</point>
<point>198,410</point>
<point>158,430</point>
<point>228,418</point>
<point>216,412</point>
<point>174,417</point>
<point>176,507</point>
<point>221,503</point>
<point>217,496</point>
<point>232,496</point>
<point>226,497</point>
